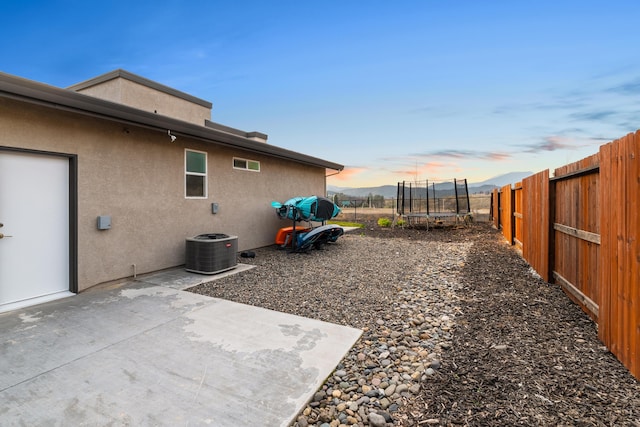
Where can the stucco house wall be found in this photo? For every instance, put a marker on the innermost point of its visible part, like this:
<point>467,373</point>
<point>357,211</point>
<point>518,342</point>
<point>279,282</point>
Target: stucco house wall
<point>136,175</point>
<point>129,89</point>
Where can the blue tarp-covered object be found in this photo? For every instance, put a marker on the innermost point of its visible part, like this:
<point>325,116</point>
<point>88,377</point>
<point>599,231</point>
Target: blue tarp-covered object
<point>311,208</point>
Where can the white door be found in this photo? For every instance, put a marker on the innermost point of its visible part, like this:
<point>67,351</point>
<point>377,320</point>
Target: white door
<point>34,213</point>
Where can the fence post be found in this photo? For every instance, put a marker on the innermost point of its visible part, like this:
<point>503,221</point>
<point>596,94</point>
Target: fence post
<point>497,210</point>
<point>491,206</point>
<point>512,218</point>
<point>506,214</point>
<point>551,244</point>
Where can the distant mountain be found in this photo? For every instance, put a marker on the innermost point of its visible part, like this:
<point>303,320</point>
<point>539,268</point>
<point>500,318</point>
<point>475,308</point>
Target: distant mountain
<point>441,189</point>
<point>502,180</point>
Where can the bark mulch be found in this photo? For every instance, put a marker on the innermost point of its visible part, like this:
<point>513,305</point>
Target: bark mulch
<point>522,353</point>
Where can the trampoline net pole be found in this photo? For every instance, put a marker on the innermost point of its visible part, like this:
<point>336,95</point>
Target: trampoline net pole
<point>466,190</point>
<point>455,190</point>
<point>426,189</point>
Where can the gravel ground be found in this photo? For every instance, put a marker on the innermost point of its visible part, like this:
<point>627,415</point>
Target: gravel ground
<point>457,331</point>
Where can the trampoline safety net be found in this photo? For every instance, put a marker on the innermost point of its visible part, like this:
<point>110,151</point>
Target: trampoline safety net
<point>433,199</point>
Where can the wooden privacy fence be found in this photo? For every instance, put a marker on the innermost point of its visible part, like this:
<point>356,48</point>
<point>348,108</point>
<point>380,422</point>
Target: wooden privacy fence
<point>579,229</point>
<point>517,216</point>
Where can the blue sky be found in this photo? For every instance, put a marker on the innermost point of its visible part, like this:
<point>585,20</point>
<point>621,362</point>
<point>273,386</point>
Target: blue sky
<point>394,90</point>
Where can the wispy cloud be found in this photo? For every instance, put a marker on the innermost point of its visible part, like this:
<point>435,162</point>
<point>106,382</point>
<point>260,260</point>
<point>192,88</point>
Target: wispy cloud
<point>466,154</point>
<point>429,168</point>
<point>629,125</point>
<point>631,87</point>
<point>594,116</point>
<point>437,165</point>
<point>569,101</point>
<point>350,172</point>
<point>556,142</point>
<point>549,143</point>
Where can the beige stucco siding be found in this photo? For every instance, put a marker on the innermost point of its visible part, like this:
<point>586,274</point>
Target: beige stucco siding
<point>138,96</point>
<point>136,176</point>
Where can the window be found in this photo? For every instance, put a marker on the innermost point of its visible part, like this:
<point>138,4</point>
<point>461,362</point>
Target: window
<point>195,166</point>
<point>251,165</point>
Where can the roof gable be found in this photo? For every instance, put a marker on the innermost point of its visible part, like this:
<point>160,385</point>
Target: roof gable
<point>129,89</point>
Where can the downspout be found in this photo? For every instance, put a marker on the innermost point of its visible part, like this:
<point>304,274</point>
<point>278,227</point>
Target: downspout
<point>327,176</point>
<point>332,174</point>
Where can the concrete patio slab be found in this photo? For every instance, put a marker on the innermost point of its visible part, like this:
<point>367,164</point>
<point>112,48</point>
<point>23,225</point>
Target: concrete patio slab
<point>143,354</point>
<point>179,278</point>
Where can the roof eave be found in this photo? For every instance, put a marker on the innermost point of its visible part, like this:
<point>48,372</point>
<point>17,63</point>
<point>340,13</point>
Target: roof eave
<point>38,93</point>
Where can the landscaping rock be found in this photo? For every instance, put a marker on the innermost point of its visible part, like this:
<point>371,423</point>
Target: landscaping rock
<point>456,331</point>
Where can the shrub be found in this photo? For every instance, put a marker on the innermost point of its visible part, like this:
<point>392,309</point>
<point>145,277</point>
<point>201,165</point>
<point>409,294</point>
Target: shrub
<point>384,222</point>
<point>400,223</point>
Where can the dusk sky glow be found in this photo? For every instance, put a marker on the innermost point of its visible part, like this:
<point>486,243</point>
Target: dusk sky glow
<point>395,91</point>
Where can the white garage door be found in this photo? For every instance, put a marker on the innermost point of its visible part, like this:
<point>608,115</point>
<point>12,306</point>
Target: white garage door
<point>34,213</point>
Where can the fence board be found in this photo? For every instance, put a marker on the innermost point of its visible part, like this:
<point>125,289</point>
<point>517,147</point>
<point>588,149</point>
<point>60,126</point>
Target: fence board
<point>619,325</point>
<point>517,216</point>
<point>535,215</point>
<point>576,293</point>
<point>495,208</point>
<point>576,231</point>
<point>506,214</point>
<point>581,229</point>
<point>607,244</point>
<point>580,234</point>
<point>633,254</point>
